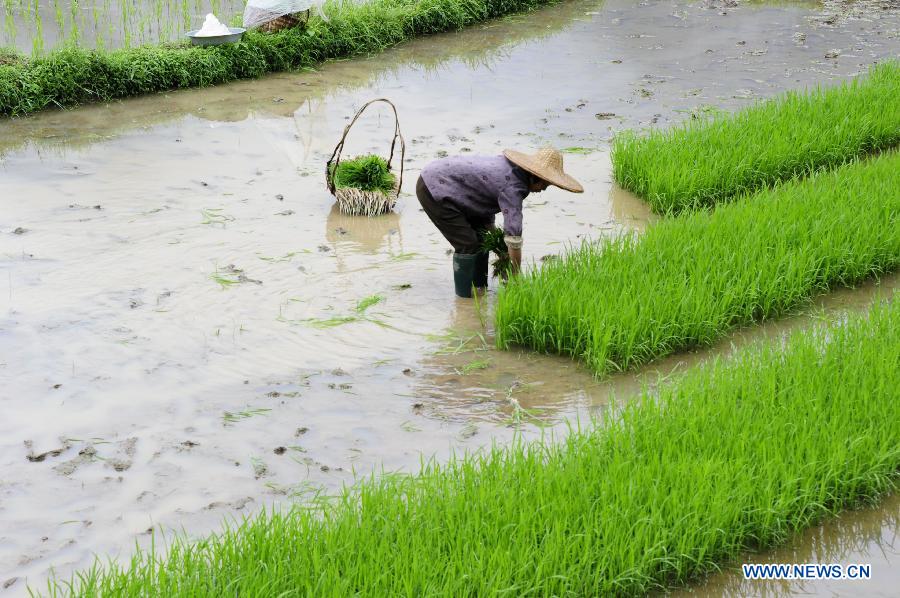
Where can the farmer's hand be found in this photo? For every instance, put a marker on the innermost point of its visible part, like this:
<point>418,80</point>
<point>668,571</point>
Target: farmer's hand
<point>515,256</point>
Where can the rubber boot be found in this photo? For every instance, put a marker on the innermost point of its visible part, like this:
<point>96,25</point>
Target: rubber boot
<point>463,273</point>
<point>480,276</point>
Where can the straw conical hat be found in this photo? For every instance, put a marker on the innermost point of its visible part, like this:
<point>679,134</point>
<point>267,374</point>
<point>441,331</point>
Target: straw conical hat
<point>547,164</point>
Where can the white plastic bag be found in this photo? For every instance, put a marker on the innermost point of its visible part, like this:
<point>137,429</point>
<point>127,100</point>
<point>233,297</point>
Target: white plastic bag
<point>259,12</point>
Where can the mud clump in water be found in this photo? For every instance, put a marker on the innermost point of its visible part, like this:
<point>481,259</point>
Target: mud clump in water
<point>237,505</point>
<point>260,470</point>
<point>121,462</point>
<point>39,457</point>
<point>241,275</point>
<point>85,455</point>
<point>128,447</point>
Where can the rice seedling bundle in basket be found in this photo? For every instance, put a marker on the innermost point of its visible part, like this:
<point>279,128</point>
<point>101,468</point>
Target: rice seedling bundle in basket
<point>365,185</point>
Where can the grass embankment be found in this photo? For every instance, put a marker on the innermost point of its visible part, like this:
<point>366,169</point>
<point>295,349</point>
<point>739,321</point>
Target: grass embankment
<point>703,162</point>
<point>689,279</point>
<point>736,455</point>
<point>73,76</point>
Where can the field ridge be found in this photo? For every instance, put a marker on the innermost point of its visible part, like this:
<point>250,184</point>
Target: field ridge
<point>72,76</point>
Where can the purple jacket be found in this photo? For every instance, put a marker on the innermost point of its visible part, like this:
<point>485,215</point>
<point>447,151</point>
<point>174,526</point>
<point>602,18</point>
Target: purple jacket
<point>481,186</point>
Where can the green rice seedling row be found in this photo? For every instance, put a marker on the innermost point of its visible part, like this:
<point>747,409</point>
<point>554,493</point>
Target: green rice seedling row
<point>74,75</point>
<point>705,161</point>
<point>689,279</point>
<point>735,456</point>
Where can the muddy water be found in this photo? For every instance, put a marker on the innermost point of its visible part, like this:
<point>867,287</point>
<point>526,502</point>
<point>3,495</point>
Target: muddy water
<point>178,326</point>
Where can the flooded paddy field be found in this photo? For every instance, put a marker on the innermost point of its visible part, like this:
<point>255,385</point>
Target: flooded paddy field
<point>179,333</point>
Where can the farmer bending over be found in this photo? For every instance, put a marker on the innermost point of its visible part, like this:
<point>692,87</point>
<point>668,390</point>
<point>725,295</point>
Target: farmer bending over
<point>462,194</point>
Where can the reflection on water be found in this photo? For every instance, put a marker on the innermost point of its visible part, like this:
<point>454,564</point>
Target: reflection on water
<point>629,208</point>
<point>364,234</point>
<point>466,379</point>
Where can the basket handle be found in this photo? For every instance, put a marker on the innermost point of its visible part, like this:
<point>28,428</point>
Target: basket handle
<point>336,154</point>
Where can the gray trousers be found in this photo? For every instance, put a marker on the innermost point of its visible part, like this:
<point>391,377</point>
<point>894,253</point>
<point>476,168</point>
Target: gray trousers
<point>464,232</point>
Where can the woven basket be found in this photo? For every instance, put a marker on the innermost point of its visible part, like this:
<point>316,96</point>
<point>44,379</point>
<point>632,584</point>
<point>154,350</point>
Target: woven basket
<point>285,22</point>
<point>356,202</point>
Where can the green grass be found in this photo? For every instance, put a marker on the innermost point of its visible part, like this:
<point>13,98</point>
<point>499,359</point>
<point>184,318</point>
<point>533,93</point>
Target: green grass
<point>359,314</point>
<point>226,280</point>
<point>707,160</point>
<point>71,76</point>
<point>689,279</point>
<point>363,304</point>
<point>734,456</point>
<point>473,366</point>
<point>215,216</point>
<point>229,417</point>
<point>367,173</point>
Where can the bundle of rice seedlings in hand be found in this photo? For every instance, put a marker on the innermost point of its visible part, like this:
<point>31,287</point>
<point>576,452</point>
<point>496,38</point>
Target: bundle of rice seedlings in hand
<point>364,185</point>
<point>495,241</point>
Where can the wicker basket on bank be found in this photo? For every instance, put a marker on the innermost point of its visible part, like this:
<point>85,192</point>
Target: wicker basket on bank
<point>365,185</point>
<point>285,22</point>
<point>270,16</point>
